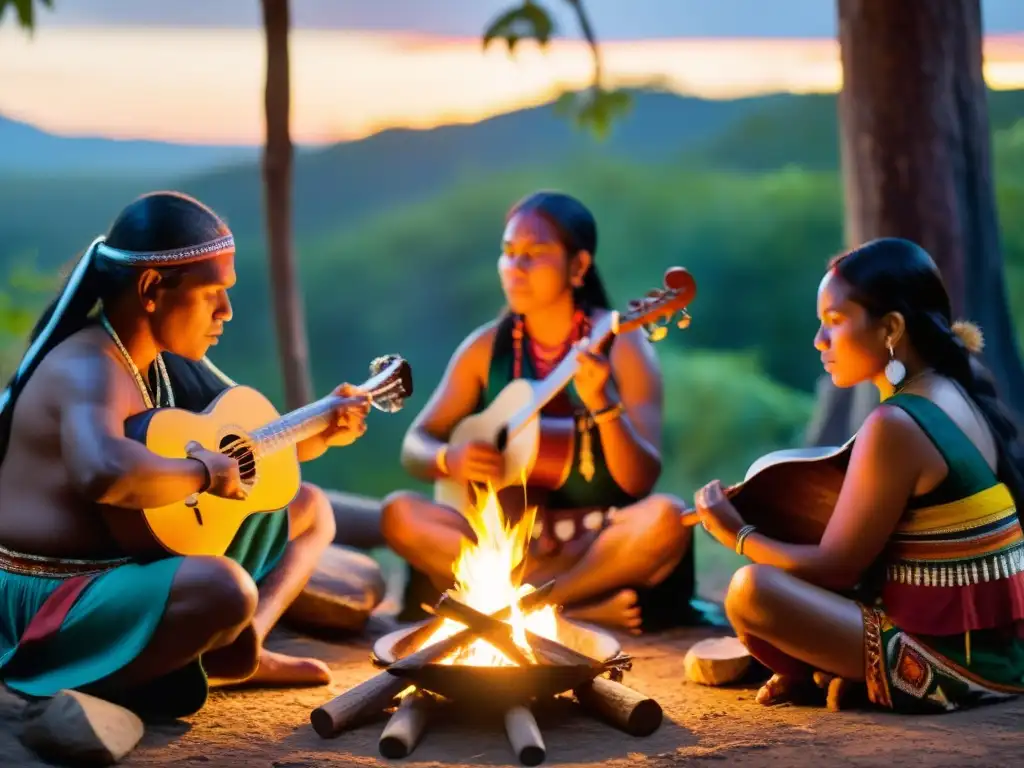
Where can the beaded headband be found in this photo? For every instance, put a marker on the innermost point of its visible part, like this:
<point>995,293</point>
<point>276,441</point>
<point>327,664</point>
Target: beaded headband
<point>175,257</point>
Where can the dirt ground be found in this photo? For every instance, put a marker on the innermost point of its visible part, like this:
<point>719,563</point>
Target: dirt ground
<point>270,729</point>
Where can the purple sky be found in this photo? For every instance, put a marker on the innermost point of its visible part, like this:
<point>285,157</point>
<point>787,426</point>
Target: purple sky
<point>612,18</point>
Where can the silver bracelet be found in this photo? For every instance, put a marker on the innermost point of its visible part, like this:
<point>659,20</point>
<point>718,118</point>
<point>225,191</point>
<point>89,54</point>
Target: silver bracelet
<point>741,537</point>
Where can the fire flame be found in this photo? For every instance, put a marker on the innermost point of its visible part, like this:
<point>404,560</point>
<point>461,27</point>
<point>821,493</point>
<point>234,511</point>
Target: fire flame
<point>487,575</point>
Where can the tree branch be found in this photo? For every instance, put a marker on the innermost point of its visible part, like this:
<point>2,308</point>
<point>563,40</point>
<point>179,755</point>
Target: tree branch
<point>597,107</point>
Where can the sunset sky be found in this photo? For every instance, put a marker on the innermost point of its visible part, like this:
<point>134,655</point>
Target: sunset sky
<point>192,70</point>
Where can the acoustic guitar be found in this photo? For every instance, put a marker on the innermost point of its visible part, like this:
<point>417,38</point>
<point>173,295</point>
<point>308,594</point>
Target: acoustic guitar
<point>789,494</point>
<point>244,424</point>
<point>540,450</point>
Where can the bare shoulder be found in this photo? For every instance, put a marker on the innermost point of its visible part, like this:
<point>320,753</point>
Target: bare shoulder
<point>81,369</point>
<point>473,355</point>
<point>890,436</point>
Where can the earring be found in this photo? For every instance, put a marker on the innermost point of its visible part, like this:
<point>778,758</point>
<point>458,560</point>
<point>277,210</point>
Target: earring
<point>577,282</point>
<point>895,371</point>
<point>150,306</point>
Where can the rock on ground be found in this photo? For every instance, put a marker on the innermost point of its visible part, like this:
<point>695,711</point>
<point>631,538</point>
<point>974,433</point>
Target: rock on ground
<point>702,726</point>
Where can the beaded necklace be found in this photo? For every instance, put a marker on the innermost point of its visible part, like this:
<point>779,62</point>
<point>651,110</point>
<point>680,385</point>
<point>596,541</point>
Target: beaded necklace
<point>584,421</point>
<point>152,400</point>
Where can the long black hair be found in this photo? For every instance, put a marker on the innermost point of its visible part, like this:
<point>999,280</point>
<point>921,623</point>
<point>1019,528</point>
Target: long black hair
<point>159,221</point>
<point>577,231</point>
<point>896,275</point>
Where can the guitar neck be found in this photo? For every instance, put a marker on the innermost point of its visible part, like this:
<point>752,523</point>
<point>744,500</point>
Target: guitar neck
<point>300,424</point>
<point>548,388</point>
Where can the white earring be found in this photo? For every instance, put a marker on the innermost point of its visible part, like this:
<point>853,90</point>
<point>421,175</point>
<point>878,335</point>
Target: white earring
<point>895,371</point>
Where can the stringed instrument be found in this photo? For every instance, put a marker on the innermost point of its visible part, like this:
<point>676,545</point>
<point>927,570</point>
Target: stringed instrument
<point>541,450</point>
<point>789,494</point>
<point>244,424</point>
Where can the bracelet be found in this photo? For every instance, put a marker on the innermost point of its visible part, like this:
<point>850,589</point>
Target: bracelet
<point>741,537</point>
<point>610,413</point>
<point>441,460</point>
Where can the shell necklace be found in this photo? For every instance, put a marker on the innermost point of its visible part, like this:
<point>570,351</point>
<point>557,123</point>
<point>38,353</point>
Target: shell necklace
<point>151,400</point>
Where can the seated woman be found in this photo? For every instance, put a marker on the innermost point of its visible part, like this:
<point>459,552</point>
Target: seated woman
<point>630,565</point>
<point>926,514</point>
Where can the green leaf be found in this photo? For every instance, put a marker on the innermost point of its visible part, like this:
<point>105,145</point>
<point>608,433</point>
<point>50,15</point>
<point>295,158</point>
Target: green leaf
<point>526,22</point>
<point>597,109</point>
<point>25,10</point>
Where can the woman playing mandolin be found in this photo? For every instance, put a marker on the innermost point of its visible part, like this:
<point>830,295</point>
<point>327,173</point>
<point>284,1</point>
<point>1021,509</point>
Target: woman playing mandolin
<point>638,567</point>
<point>925,526</point>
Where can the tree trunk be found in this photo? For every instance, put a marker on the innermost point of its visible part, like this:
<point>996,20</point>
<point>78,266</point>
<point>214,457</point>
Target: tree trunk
<point>289,312</point>
<point>916,163</point>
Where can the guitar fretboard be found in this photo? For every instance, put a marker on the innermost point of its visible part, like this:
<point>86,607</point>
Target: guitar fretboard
<point>549,387</point>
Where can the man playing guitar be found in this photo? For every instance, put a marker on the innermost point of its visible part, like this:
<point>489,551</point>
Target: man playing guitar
<point>81,612</point>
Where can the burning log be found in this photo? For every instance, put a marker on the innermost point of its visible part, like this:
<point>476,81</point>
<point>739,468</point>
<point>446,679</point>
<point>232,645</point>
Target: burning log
<point>615,703</point>
<point>406,725</point>
<point>370,697</point>
<point>524,736</point>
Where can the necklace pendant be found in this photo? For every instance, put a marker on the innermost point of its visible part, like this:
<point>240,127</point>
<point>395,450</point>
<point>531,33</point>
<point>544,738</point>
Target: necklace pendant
<point>586,451</point>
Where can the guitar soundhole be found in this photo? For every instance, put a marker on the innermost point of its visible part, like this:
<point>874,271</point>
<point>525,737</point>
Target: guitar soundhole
<point>241,451</point>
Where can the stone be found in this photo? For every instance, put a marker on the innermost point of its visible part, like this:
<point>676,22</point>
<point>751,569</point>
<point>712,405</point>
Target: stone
<point>717,661</point>
<point>76,728</point>
<point>340,595</point>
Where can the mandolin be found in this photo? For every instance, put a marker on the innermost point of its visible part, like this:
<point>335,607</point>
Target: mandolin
<point>244,424</point>
<point>540,450</point>
<point>790,494</point>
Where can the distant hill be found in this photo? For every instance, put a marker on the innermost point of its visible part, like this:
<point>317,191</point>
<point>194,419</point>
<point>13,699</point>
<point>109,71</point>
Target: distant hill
<point>348,181</point>
<point>26,149</point>
<point>805,132</point>
<point>337,187</point>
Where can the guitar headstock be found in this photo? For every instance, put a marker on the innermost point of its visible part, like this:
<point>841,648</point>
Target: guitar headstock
<point>390,383</point>
<point>655,311</point>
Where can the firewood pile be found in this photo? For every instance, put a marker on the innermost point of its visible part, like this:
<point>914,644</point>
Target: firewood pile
<point>418,684</point>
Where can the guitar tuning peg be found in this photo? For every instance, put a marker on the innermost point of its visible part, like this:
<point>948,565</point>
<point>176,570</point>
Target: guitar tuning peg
<point>656,333</point>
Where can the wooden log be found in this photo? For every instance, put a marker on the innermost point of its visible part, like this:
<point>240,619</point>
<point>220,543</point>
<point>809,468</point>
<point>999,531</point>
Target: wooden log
<point>403,731</point>
<point>502,640</point>
<point>76,728</point>
<point>524,736</point>
<point>613,702</point>
<point>357,704</point>
<point>620,706</point>
<point>717,661</point>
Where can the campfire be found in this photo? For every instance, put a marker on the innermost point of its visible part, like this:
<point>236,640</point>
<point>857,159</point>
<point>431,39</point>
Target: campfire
<point>493,642</point>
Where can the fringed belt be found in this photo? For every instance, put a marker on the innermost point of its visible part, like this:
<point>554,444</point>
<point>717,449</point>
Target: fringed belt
<point>54,567</point>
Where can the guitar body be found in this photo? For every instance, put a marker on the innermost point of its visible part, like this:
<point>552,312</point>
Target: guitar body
<point>542,450</point>
<point>208,527</point>
<point>790,495</point>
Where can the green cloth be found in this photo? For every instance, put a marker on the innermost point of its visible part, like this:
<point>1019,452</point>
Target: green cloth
<point>926,672</point>
<point>112,621</point>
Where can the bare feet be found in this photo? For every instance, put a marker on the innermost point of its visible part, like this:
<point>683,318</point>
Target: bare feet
<point>781,689</point>
<point>841,693</point>
<point>619,611</point>
<point>244,663</point>
<point>276,669</point>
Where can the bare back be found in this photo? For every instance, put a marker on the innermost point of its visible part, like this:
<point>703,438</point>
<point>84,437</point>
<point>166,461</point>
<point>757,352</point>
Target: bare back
<point>42,512</point>
<point>956,404</point>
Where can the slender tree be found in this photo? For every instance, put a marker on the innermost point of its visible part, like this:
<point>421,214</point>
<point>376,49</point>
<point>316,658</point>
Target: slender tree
<point>289,309</point>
